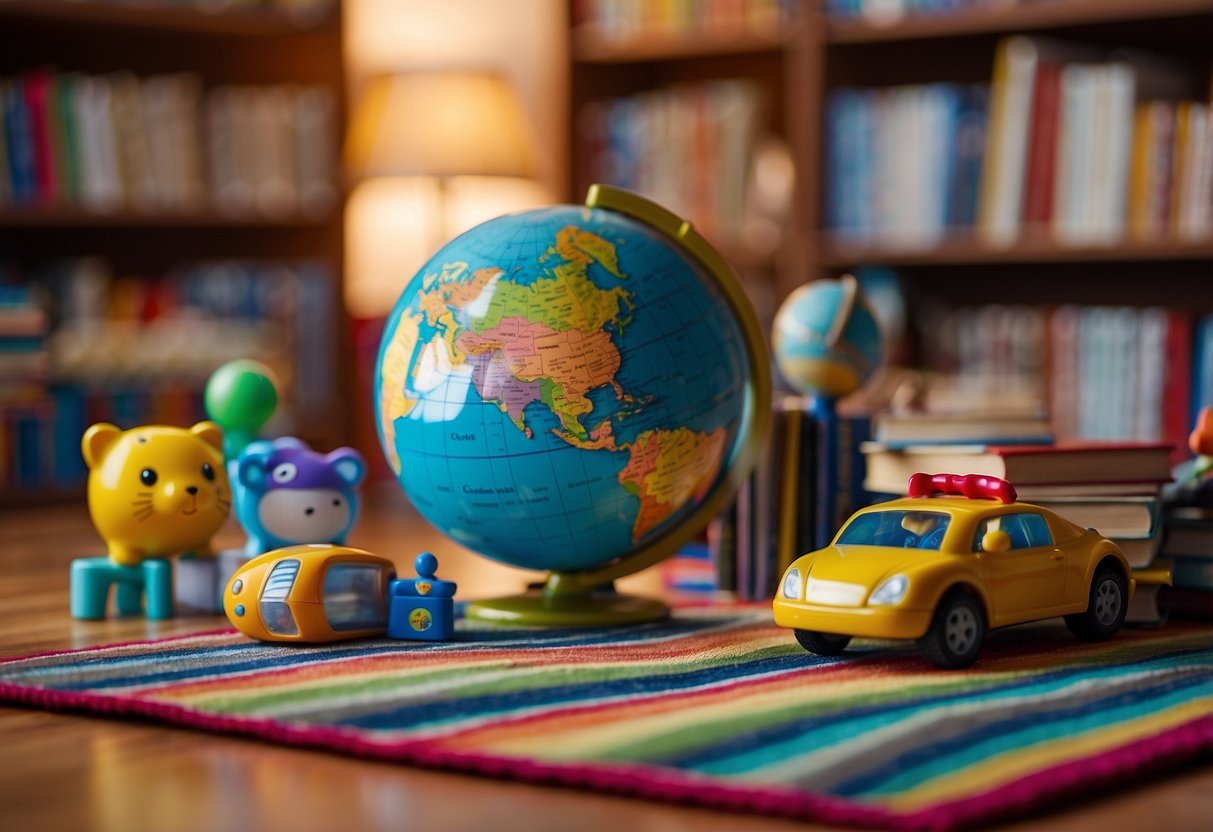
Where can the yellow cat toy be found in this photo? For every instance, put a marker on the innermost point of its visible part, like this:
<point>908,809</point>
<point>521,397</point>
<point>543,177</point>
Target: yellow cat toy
<point>156,491</point>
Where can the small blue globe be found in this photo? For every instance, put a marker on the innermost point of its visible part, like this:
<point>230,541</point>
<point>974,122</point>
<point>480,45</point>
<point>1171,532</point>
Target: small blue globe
<point>826,340</point>
<point>570,386</point>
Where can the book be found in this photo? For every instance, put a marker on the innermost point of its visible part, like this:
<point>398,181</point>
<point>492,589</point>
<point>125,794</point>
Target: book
<point>1189,532</point>
<point>1113,516</point>
<point>898,429</point>
<point>1067,463</point>
<point>1013,87</point>
<point>1132,521</point>
<point>1146,606</point>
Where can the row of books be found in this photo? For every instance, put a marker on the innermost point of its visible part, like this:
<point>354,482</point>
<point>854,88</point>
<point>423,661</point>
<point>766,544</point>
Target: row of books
<point>164,142</point>
<point>806,484</point>
<point>24,358</point>
<point>1189,546</point>
<point>629,19</point>
<point>903,165</point>
<point>887,12</point>
<point>1110,373</point>
<point>661,143</point>
<point>305,11</point>
<point>1091,146</point>
<point>133,350</point>
<point>1063,142</point>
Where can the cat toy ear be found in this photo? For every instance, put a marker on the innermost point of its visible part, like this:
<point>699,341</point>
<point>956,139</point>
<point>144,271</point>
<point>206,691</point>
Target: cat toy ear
<point>210,433</point>
<point>96,440</point>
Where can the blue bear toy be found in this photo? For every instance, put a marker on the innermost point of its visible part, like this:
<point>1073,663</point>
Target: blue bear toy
<point>286,493</point>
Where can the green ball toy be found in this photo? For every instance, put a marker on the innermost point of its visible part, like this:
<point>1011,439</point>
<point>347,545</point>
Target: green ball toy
<point>240,397</point>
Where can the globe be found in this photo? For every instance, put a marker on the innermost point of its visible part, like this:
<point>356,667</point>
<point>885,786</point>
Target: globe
<point>575,389</point>
<point>826,339</point>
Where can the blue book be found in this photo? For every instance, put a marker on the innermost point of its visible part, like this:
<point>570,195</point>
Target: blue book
<point>850,148</point>
<point>964,179</point>
<point>19,137</point>
<point>1202,367</point>
<point>70,422</point>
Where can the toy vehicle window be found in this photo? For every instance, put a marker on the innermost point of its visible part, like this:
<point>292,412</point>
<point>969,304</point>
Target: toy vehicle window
<point>899,529</point>
<point>1027,531</point>
<point>275,614</point>
<point>355,596</point>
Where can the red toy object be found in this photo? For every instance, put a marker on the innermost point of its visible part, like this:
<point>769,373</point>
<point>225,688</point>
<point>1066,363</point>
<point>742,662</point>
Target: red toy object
<point>972,486</point>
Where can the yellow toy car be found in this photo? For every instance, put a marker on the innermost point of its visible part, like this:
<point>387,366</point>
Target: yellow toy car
<point>310,593</point>
<point>945,569</point>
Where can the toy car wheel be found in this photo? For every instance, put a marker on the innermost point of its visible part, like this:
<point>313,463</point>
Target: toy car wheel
<point>823,644</point>
<point>956,633</point>
<point>1106,607</point>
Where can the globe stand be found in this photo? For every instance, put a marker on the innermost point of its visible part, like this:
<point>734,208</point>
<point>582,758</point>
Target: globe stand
<point>536,608</point>
<point>551,605</point>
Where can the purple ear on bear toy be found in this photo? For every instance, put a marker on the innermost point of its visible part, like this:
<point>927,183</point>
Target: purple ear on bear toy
<point>287,493</point>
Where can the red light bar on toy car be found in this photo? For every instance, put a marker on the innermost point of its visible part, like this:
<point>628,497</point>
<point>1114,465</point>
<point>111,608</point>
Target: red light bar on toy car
<point>972,486</point>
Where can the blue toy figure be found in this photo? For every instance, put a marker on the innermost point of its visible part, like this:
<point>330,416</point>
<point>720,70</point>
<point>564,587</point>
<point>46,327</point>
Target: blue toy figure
<point>422,607</point>
<point>286,494</point>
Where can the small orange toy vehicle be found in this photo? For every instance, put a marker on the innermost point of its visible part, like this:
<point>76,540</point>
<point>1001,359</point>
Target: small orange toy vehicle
<point>310,593</point>
<point>945,569</point>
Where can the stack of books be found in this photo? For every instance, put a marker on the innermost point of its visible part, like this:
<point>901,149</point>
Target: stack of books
<point>1189,545</point>
<point>794,501</point>
<point>1115,488</point>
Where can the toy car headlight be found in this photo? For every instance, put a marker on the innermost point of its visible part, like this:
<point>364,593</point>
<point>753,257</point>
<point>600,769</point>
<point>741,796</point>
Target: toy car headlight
<point>891,591</point>
<point>791,584</point>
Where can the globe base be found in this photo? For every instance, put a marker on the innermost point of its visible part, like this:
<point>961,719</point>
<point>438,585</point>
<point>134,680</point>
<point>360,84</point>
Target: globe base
<point>539,608</point>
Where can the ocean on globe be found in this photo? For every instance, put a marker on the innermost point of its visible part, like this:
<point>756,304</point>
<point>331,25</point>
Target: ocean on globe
<point>826,339</point>
<point>565,387</point>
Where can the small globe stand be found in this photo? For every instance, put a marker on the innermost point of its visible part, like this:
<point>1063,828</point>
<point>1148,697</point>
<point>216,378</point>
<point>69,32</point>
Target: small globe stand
<point>827,344</point>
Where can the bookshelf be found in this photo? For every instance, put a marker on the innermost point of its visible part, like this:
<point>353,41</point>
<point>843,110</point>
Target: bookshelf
<point>232,212</point>
<point>803,60</point>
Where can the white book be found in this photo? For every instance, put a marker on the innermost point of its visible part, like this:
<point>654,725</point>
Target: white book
<point>273,115</point>
<point>158,115</point>
<point>131,140</point>
<point>315,150</point>
<point>1121,96</point>
<point>100,180</point>
<point>1001,209</point>
<point>1194,218</point>
<point>1074,154</point>
<point>231,187</point>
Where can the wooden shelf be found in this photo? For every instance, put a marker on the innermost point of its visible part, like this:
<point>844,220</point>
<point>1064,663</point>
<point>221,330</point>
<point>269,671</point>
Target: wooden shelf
<point>591,47</point>
<point>163,17</point>
<point>71,217</point>
<point>836,255</point>
<point>1028,16</point>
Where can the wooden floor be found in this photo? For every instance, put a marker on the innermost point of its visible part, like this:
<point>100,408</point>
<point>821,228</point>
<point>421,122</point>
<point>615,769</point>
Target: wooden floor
<point>77,773</point>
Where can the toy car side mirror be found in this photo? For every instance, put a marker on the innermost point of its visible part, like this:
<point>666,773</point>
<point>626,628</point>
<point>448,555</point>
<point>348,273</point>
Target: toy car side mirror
<point>996,541</point>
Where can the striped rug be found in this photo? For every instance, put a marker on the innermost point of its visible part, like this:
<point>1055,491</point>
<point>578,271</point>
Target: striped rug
<point>714,707</point>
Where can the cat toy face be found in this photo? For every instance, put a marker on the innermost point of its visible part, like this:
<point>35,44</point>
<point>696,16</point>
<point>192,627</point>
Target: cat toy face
<point>155,491</point>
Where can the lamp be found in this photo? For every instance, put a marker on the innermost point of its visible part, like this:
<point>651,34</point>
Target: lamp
<point>411,135</point>
<point>440,124</point>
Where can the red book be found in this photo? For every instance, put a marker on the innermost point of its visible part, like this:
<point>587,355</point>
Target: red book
<point>1042,147</point>
<point>1177,385</point>
<point>37,90</point>
<point>1065,463</point>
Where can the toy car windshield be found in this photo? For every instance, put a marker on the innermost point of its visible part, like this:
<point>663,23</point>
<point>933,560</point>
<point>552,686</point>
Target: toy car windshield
<point>897,529</point>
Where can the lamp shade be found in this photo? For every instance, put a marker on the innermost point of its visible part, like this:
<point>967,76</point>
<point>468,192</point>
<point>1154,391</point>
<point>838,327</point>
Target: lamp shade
<point>440,124</point>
